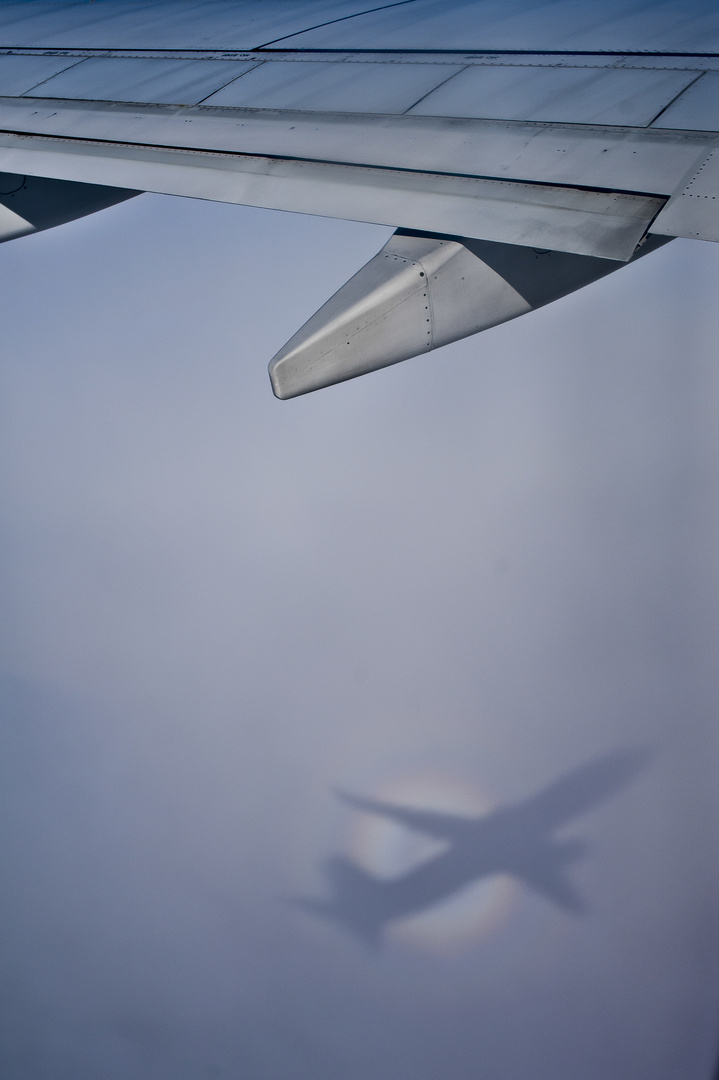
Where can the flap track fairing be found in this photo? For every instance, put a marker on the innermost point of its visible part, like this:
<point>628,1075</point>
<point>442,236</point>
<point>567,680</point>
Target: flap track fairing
<point>421,291</point>
<point>29,204</point>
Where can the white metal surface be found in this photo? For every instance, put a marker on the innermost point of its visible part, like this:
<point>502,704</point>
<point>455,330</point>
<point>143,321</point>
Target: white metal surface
<point>616,25</point>
<point>421,292</point>
<point>335,87</point>
<point>164,24</point>
<point>694,211</point>
<point>609,91</point>
<point>564,95</point>
<point>698,107</point>
<point>579,95</point>
<point>416,294</point>
<point>638,160</point>
<point>18,74</point>
<point>172,82</point>
<point>565,219</point>
<point>548,150</point>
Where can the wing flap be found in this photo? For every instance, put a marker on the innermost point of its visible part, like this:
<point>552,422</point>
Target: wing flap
<point>567,95</point>
<point>638,160</point>
<point>604,224</point>
<point>693,212</point>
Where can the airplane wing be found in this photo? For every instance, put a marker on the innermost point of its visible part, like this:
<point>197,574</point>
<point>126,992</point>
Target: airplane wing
<point>572,130</point>
<point>443,826</point>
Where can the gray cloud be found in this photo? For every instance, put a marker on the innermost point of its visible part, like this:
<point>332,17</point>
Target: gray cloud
<point>479,568</point>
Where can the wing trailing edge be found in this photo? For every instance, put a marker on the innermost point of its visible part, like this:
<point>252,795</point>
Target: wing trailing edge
<point>422,291</point>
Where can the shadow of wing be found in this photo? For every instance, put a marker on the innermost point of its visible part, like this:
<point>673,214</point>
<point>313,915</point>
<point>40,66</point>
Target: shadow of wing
<point>584,787</point>
<point>432,823</point>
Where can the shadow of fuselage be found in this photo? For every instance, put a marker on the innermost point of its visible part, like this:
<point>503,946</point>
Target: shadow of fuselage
<point>516,840</point>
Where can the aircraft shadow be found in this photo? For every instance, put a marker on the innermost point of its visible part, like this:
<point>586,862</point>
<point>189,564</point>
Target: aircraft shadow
<point>517,840</point>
